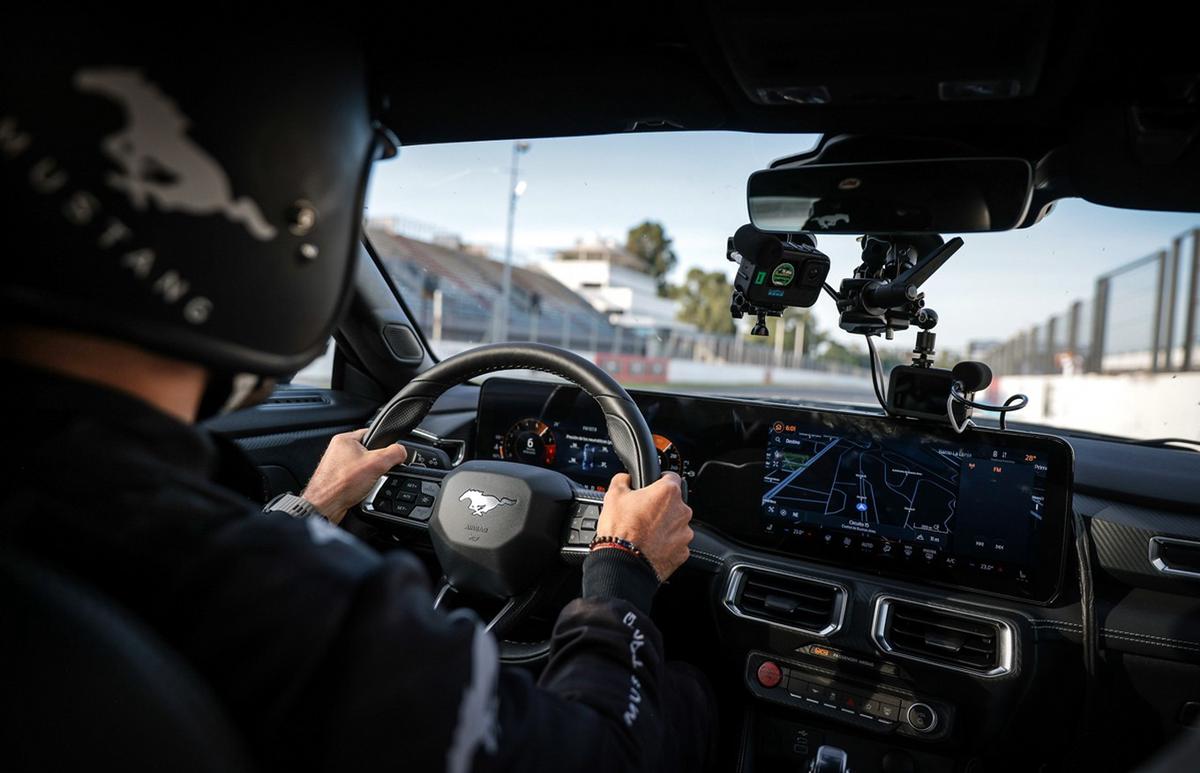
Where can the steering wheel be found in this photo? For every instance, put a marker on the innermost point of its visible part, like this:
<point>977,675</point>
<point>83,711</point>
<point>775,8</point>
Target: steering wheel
<point>498,527</point>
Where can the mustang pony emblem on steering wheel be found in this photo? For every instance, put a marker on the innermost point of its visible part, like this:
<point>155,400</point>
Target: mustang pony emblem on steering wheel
<point>482,504</point>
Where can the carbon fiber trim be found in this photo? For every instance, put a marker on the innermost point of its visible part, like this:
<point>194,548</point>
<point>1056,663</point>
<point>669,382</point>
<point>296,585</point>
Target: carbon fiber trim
<point>1122,533</point>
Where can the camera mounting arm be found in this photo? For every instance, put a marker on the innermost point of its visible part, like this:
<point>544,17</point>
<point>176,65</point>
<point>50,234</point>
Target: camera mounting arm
<point>884,294</point>
<point>908,282</point>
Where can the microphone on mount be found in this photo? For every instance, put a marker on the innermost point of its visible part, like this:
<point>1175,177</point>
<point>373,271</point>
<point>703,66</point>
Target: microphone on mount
<point>974,376</point>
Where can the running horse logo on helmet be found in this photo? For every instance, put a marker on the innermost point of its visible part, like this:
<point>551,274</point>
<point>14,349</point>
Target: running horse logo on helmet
<point>481,504</point>
<point>160,162</point>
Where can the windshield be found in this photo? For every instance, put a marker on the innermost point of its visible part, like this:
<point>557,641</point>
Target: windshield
<point>615,247</point>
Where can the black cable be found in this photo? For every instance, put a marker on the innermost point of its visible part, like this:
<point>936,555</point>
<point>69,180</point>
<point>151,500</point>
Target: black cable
<point>876,376</point>
<point>1008,402</point>
<point>956,395</point>
<point>876,365</point>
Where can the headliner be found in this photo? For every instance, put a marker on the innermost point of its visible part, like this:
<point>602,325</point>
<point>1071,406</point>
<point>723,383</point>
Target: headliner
<point>1107,102</point>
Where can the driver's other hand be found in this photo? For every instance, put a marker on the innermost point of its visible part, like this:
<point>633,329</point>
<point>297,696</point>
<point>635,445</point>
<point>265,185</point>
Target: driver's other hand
<point>654,518</point>
<point>347,472</point>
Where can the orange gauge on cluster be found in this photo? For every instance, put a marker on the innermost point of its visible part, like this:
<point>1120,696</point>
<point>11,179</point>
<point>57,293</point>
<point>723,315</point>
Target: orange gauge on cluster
<point>669,459</point>
<point>530,441</point>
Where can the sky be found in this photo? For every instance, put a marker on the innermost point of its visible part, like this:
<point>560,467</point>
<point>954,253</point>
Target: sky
<point>694,184</point>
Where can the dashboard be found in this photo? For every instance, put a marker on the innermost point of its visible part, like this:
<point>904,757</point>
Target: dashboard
<point>984,511</point>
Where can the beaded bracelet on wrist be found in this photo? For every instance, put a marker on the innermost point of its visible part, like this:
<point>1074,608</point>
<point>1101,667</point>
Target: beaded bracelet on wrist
<point>625,545</point>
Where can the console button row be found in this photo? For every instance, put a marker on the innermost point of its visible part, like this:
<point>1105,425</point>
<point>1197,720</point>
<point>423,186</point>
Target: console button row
<point>820,691</point>
<point>583,519</point>
<point>406,497</point>
<point>881,707</point>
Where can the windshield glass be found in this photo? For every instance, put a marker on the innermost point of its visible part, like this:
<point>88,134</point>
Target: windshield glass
<point>617,249</point>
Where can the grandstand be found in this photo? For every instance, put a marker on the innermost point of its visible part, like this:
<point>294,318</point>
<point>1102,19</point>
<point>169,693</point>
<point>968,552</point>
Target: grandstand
<point>542,308</point>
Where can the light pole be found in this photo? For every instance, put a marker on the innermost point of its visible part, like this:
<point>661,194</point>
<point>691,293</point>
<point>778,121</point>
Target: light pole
<point>798,344</point>
<point>515,189</point>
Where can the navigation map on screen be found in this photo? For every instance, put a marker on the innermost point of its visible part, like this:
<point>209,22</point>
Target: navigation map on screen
<point>904,494</point>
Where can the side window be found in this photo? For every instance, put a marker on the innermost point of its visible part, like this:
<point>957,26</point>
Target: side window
<point>319,372</point>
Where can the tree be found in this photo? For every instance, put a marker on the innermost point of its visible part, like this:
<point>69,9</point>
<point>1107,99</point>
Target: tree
<point>835,352</point>
<point>649,241</point>
<point>704,301</point>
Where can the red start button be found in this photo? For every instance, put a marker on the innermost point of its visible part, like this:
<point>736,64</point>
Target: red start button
<point>769,674</point>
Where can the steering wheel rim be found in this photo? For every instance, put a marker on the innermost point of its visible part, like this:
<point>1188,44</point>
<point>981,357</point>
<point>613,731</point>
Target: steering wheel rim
<point>503,572</point>
<point>627,428</point>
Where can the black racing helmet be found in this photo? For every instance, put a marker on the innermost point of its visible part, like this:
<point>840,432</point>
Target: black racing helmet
<point>197,194</point>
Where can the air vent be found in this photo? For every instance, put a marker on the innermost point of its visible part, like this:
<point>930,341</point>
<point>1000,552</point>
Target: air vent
<point>785,600</point>
<point>290,399</point>
<point>953,638</point>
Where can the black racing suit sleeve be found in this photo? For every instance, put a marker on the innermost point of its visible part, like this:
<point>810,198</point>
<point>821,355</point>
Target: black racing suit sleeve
<point>402,685</point>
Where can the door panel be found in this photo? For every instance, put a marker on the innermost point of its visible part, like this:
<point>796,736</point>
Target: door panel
<point>285,436</point>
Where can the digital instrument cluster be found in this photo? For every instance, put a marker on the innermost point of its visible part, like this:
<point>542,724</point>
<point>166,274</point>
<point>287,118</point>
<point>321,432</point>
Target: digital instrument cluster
<point>984,510</point>
<point>569,437</point>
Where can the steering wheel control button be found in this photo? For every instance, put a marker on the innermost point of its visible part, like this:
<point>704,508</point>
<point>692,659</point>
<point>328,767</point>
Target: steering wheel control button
<point>426,456</point>
<point>921,717</point>
<point>425,500</point>
<point>421,513</point>
<point>411,484</point>
<point>406,497</point>
<point>769,674</point>
<point>584,516</point>
<point>430,487</point>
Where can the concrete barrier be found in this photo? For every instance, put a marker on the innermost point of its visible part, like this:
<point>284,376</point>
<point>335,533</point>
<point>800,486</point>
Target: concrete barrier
<point>1137,405</point>
<point>644,371</point>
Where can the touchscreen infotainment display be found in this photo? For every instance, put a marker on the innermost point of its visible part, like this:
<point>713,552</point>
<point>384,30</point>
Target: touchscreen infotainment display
<point>955,503</point>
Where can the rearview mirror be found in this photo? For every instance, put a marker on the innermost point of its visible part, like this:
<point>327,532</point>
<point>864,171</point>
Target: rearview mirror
<point>955,195</point>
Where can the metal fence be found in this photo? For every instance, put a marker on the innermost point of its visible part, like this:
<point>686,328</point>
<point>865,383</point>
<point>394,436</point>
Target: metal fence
<point>1143,316</point>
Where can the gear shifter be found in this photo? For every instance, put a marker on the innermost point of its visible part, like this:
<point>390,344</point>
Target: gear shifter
<point>829,759</point>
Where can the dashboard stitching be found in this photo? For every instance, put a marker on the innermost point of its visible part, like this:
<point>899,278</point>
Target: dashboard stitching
<point>1108,635</point>
<point>1133,633</point>
<point>710,556</point>
<point>1117,633</point>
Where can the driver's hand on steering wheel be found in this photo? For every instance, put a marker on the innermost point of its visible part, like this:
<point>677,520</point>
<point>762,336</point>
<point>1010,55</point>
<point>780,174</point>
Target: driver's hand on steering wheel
<point>654,518</point>
<point>347,472</point>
